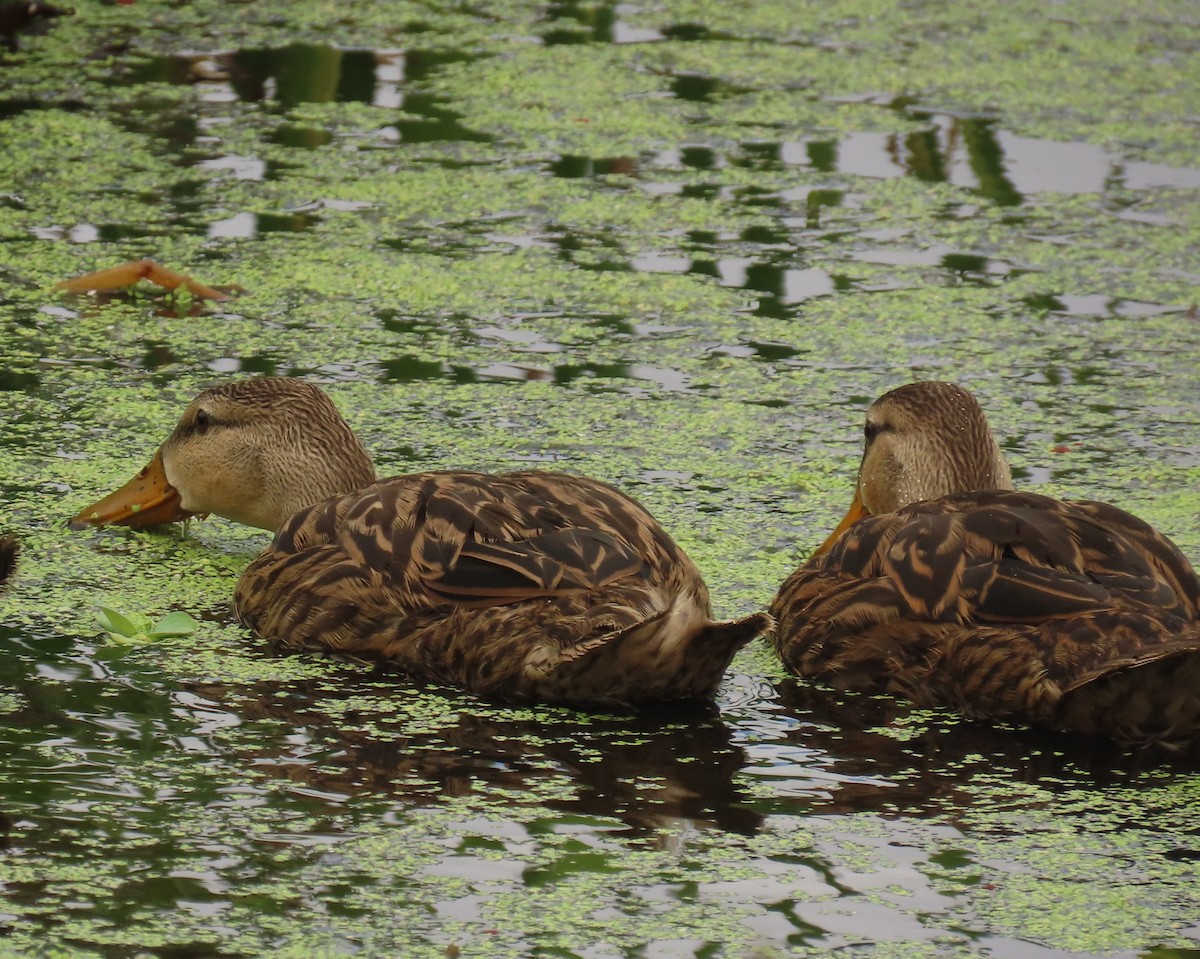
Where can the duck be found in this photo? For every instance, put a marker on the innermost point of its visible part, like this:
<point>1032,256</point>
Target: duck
<point>532,585</point>
<point>947,587</point>
<point>8,557</point>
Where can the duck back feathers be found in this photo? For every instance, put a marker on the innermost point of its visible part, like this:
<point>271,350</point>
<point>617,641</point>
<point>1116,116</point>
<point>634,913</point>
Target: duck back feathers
<point>533,585</point>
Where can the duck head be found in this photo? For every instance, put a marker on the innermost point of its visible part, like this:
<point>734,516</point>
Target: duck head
<point>923,441</point>
<point>254,451</point>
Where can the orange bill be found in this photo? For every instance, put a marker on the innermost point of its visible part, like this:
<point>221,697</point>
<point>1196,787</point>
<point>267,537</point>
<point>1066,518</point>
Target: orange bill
<point>856,512</point>
<point>146,500</point>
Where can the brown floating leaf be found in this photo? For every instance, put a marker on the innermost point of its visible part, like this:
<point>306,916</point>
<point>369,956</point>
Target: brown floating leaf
<point>127,274</point>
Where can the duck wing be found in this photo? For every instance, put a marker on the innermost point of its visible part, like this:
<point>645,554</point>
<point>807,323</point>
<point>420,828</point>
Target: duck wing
<point>995,603</point>
<point>486,545</point>
<point>440,540</point>
<point>532,585</point>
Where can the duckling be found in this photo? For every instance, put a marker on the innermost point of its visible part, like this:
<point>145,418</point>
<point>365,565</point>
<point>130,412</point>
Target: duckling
<point>527,585</point>
<point>945,586</point>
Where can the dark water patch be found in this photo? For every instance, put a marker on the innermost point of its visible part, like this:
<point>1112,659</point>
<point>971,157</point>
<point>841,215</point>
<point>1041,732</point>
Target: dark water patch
<point>615,325</point>
<point>421,63</point>
<point>566,373</point>
<point>817,200</point>
<point>27,18</point>
<point>581,167</point>
<point>397,322</point>
<point>773,352</point>
<point>696,88</point>
<point>960,266</point>
<point>572,22</point>
<point>691,32</point>
<point>759,156</point>
<point>18,379</point>
<point>699,158</point>
<point>604,264</point>
<point>301,137</point>
<point>187,193</point>
<point>757,198</point>
<point>406,369</point>
<point>703,239</point>
<point>929,756</point>
<point>290,75</point>
<point>161,121</point>
<point>111,232</point>
<point>284,222</point>
<point>15,106</point>
<point>768,235</point>
<point>821,155</point>
<point>436,122</point>
<point>592,251</point>
<point>158,355</point>
<point>643,768</point>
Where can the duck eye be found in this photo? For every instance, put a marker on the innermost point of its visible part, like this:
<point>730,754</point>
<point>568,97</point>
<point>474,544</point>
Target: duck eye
<point>202,422</point>
<point>871,430</point>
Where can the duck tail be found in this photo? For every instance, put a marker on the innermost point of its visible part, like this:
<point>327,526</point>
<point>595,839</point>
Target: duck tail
<point>670,656</point>
<point>1155,702</point>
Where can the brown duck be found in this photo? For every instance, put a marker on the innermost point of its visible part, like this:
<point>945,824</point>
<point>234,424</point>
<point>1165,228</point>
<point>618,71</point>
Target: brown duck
<point>532,585</point>
<point>944,586</point>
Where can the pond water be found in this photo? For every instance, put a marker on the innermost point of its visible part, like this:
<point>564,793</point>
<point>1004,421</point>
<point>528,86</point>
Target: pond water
<point>678,245</point>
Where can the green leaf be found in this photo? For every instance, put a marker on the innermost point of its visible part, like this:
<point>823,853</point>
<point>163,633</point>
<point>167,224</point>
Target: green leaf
<point>116,624</point>
<point>136,630</point>
<point>173,624</point>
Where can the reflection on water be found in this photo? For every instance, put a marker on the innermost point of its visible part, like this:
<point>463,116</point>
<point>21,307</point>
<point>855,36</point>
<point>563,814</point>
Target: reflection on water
<point>792,785</point>
<point>572,22</point>
<point>975,153</point>
<point>649,771</point>
<point>148,808</point>
<point>296,73</point>
<point>299,73</point>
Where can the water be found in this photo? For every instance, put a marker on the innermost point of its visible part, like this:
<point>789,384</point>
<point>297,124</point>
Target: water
<point>680,247</point>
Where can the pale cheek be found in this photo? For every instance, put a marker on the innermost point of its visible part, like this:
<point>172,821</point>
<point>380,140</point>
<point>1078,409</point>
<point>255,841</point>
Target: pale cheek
<point>203,494</point>
<point>888,489</point>
<point>877,498</point>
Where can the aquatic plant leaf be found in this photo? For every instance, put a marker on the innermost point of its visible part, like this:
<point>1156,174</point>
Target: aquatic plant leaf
<point>173,624</point>
<point>117,624</point>
<point>137,629</point>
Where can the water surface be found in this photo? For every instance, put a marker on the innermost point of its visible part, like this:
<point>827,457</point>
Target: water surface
<point>679,246</point>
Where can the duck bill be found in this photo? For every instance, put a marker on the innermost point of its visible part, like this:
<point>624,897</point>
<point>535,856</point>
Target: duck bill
<point>856,512</point>
<point>146,500</point>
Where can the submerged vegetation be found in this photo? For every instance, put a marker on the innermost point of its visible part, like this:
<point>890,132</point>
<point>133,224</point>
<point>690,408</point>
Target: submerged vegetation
<point>680,247</point>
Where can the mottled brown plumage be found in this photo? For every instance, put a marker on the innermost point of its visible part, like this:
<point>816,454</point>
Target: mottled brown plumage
<point>996,603</point>
<point>532,585</point>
